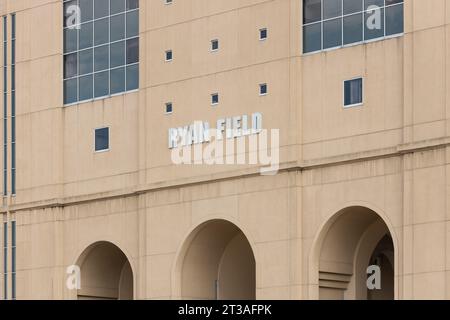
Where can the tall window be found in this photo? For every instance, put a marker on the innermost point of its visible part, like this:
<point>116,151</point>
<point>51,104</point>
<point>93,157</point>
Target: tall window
<point>13,260</point>
<point>13,104</point>
<point>5,260</point>
<point>101,48</point>
<point>335,23</point>
<point>5,105</point>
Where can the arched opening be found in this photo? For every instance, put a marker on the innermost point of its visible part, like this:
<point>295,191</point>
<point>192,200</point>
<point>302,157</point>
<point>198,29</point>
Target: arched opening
<point>106,273</point>
<point>218,264</point>
<point>353,240</point>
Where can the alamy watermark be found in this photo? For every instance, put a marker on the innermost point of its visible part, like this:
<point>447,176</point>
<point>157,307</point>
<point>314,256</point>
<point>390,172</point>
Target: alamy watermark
<point>374,20</point>
<point>73,17</point>
<point>73,281</point>
<point>239,140</point>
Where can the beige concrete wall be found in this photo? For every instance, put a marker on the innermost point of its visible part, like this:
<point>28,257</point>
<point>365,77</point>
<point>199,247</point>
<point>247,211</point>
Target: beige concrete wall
<point>390,155</point>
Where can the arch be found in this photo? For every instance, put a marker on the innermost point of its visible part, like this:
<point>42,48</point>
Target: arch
<point>341,253</point>
<point>106,273</point>
<point>216,261</point>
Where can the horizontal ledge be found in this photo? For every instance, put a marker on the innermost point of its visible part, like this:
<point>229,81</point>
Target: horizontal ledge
<point>400,150</point>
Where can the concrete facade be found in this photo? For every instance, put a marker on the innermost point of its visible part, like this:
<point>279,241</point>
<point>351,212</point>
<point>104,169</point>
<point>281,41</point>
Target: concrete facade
<point>348,177</point>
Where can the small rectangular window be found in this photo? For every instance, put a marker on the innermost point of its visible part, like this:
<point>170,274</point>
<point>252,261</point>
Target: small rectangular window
<point>101,139</point>
<point>214,45</point>
<point>263,89</point>
<point>169,55</point>
<point>169,108</point>
<point>214,99</point>
<point>353,92</point>
<point>167,1</point>
<point>263,34</point>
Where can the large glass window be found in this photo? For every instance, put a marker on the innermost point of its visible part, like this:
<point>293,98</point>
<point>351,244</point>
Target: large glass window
<point>335,23</point>
<point>101,48</point>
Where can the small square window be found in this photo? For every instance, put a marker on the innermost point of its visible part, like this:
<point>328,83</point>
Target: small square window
<point>214,99</point>
<point>169,108</point>
<point>169,55</point>
<point>353,92</point>
<point>101,139</point>
<point>214,45</point>
<point>263,34</point>
<point>263,89</point>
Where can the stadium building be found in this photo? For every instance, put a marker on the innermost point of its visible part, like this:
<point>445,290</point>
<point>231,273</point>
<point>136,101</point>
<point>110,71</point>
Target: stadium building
<point>97,94</point>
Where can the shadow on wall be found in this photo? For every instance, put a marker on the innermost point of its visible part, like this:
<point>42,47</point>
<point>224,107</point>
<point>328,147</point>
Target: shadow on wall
<point>353,239</point>
<point>106,273</point>
<point>218,263</point>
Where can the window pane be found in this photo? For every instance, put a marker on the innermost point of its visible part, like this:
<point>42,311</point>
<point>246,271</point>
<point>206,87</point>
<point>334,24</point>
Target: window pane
<point>133,50</point>
<point>374,24</point>
<point>101,8</point>
<point>70,65</point>
<point>69,11</point>
<point>117,80</point>
<point>70,91</point>
<point>133,77</point>
<point>332,8</point>
<point>101,58</point>
<point>351,6</point>
<point>332,33</point>
<point>390,2</point>
<point>101,83</point>
<point>13,78</point>
<point>117,6</point>
<point>117,54</point>
<point>13,53</point>
<point>86,35</point>
<point>118,27</point>
<point>312,11</point>
<point>86,61</point>
<point>101,31</point>
<point>132,4</point>
<point>353,92</point>
<point>101,139</point>
<point>394,19</point>
<point>368,3</point>
<point>353,30</point>
<point>86,87</point>
<point>312,38</point>
<point>132,24</point>
<point>70,40</point>
<point>87,10</point>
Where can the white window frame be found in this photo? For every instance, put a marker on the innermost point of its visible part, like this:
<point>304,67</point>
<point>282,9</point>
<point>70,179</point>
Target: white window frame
<point>166,52</point>
<point>109,139</point>
<point>166,105</point>
<point>359,104</point>
<point>267,34</point>
<point>267,89</point>
<point>218,45</point>
<point>218,99</point>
